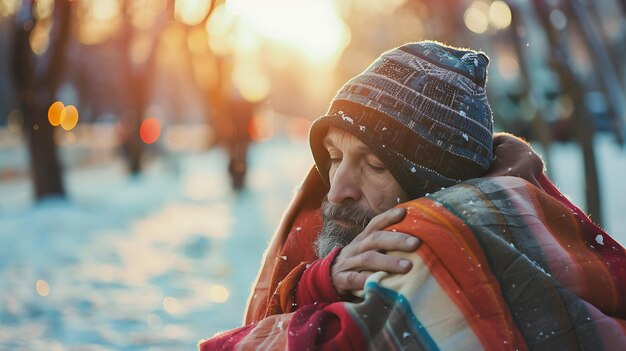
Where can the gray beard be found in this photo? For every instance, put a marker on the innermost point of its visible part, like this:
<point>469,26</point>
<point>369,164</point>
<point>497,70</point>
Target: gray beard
<point>335,235</point>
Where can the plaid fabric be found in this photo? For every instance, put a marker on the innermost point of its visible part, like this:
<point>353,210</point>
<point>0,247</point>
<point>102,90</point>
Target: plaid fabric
<point>503,264</point>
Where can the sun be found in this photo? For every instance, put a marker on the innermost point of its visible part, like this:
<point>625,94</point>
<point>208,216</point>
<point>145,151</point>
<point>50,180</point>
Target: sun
<point>312,27</point>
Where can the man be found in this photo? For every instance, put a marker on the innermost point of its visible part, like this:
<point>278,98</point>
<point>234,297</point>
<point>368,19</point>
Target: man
<point>405,154</point>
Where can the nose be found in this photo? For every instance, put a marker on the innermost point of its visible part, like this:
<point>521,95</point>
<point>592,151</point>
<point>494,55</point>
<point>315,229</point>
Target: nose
<point>344,184</point>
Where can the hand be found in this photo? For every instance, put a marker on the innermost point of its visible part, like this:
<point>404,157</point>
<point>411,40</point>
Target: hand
<point>367,253</point>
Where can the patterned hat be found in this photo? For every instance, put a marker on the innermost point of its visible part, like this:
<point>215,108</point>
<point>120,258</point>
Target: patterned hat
<point>422,109</point>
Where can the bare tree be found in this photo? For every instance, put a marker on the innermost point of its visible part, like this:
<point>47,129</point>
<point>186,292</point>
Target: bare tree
<point>36,81</point>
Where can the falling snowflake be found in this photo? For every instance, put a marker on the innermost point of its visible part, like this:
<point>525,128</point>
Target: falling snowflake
<point>413,170</point>
<point>465,136</point>
<point>462,113</point>
<point>600,239</point>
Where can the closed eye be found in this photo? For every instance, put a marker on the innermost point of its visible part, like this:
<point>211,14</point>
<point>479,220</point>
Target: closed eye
<point>378,167</point>
<point>334,155</point>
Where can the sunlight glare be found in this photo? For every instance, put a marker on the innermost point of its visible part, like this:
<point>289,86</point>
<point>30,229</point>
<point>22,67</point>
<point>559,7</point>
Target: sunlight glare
<point>313,27</point>
<point>191,12</point>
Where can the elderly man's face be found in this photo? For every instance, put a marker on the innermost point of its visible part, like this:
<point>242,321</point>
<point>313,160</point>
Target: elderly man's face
<point>360,188</point>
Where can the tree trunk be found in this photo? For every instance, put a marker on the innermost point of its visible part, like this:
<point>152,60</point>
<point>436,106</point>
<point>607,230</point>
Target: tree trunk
<point>36,82</point>
<point>561,62</point>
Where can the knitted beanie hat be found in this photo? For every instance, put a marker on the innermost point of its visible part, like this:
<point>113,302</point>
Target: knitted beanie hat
<point>422,109</point>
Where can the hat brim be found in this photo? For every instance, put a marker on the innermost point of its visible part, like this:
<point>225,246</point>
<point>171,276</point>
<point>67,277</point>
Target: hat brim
<point>394,162</point>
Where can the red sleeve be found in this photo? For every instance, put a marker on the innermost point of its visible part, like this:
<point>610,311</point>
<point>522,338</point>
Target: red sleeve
<point>316,284</point>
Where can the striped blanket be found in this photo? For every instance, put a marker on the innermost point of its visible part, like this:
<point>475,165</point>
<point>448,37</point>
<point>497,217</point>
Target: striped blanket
<point>503,264</point>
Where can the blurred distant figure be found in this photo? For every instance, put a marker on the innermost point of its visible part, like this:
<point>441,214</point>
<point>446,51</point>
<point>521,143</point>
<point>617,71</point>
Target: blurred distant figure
<point>234,135</point>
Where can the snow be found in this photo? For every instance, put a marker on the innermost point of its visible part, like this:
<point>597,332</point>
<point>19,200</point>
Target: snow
<point>166,259</point>
<point>600,239</point>
<point>156,262</point>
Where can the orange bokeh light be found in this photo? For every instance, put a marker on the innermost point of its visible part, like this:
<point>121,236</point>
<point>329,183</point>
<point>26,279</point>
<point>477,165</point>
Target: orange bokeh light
<point>54,113</point>
<point>150,130</point>
<point>69,117</point>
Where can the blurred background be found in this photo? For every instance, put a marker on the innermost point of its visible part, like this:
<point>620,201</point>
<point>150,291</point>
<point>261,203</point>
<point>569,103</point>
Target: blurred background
<point>149,147</point>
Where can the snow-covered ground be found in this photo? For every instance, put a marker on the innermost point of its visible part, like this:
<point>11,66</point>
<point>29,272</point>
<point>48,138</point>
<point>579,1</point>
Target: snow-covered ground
<point>160,261</point>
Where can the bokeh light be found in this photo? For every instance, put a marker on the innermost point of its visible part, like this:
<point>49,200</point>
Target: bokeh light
<point>54,113</point>
<point>150,130</point>
<point>42,287</point>
<point>220,29</point>
<point>144,12</point>
<point>104,10</point>
<point>252,83</point>
<point>476,17</point>
<point>499,14</point>
<point>100,20</point>
<point>508,65</point>
<point>260,128</point>
<point>69,117</point>
<point>218,293</point>
<point>191,12</point>
<point>171,305</point>
<point>43,8</point>
<point>40,37</point>
<point>15,120</point>
<point>9,7</point>
<point>558,19</point>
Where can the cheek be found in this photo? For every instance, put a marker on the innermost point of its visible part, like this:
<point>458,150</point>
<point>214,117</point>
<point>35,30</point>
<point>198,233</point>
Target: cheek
<point>383,195</point>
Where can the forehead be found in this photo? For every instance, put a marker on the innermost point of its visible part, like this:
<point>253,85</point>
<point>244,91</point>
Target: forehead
<point>345,141</point>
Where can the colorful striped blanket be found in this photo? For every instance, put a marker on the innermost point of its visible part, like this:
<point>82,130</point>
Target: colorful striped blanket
<point>503,265</point>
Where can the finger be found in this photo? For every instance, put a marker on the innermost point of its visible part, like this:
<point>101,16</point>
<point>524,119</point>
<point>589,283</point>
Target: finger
<point>350,280</point>
<point>388,241</point>
<point>382,221</point>
<point>375,261</point>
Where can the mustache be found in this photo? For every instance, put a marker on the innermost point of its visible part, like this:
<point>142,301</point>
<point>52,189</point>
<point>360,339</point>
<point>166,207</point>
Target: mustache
<point>348,212</point>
